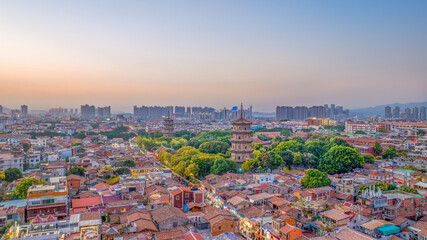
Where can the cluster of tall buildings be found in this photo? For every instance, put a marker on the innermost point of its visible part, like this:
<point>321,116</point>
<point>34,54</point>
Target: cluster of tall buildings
<point>152,111</point>
<point>203,113</point>
<point>63,112</point>
<point>415,114</point>
<point>89,112</point>
<point>304,112</point>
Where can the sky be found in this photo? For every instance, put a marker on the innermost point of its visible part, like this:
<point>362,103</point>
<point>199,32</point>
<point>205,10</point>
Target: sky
<point>212,53</point>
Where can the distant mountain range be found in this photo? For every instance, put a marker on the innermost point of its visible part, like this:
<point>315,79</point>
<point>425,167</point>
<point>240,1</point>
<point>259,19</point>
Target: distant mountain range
<point>379,110</point>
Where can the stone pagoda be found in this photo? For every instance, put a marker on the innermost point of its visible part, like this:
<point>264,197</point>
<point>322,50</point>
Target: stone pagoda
<point>168,129</point>
<point>241,142</point>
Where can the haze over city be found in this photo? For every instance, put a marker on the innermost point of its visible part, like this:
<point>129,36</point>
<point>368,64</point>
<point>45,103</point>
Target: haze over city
<point>217,53</point>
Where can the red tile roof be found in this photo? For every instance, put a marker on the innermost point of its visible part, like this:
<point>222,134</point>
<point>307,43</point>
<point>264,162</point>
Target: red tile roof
<point>85,202</point>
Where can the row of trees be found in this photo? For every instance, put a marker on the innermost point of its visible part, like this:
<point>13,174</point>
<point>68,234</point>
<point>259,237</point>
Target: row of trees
<point>328,154</point>
<point>190,161</point>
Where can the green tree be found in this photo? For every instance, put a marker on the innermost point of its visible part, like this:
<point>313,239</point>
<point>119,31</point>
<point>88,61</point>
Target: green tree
<point>222,166</point>
<point>80,135</point>
<point>122,171</point>
<point>214,147</point>
<point>291,145</point>
<point>262,137</point>
<point>409,190</point>
<point>77,170</point>
<point>369,158</point>
<point>288,158</point>
<point>249,165</point>
<point>297,159</point>
<point>316,147</point>
<point>26,146</point>
<point>26,166</point>
<point>390,152</point>
<point>360,132</point>
<point>77,144</point>
<point>180,168</point>
<point>129,163</point>
<point>192,170</point>
<point>11,174</point>
<point>22,187</point>
<point>377,148</point>
<point>340,159</point>
<point>269,160</point>
<point>314,178</point>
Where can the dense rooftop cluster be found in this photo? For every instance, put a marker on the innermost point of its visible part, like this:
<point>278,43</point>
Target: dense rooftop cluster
<point>121,178</point>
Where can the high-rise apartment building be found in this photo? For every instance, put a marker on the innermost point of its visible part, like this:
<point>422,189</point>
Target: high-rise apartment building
<point>415,113</point>
<point>24,110</point>
<point>284,113</point>
<point>317,111</point>
<point>179,111</point>
<point>422,113</point>
<point>87,112</point>
<point>303,112</point>
<point>407,114</point>
<point>300,112</point>
<point>152,111</point>
<point>396,112</point>
<point>103,112</point>
<point>332,111</point>
<point>387,112</point>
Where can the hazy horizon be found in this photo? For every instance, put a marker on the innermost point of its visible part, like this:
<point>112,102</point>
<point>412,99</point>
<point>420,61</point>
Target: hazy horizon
<point>212,53</point>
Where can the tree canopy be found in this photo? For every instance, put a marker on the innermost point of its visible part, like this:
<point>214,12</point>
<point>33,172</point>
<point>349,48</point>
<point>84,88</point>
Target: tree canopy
<point>340,159</point>
<point>314,178</point>
<point>377,148</point>
<point>390,152</point>
<point>22,187</point>
<point>77,170</point>
<point>11,174</point>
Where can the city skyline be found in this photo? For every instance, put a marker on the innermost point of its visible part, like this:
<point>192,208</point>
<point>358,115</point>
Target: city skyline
<point>212,53</point>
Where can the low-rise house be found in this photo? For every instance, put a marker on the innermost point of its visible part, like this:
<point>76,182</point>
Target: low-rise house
<point>239,203</point>
<point>181,196</point>
<point>221,221</point>
<point>323,193</point>
<point>45,200</point>
<point>116,208</point>
<point>337,217</point>
<point>266,188</point>
<point>351,234</point>
<point>289,232</point>
<point>169,217</point>
<point>263,178</point>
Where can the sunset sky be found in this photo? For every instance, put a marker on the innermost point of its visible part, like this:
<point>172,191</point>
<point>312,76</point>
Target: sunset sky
<point>212,53</point>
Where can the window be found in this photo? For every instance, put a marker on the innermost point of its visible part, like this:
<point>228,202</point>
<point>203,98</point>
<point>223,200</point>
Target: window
<point>186,195</point>
<point>113,211</point>
<point>177,198</point>
<point>175,224</point>
<point>219,228</point>
<point>409,210</point>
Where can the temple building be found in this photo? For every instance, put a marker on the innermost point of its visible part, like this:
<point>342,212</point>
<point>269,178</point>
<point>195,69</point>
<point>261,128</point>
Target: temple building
<point>241,142</point>
<point>168,130</point>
